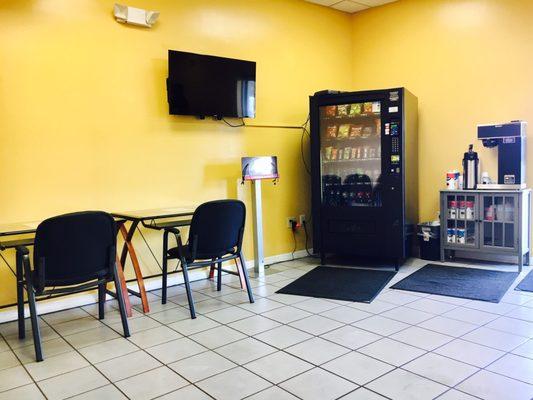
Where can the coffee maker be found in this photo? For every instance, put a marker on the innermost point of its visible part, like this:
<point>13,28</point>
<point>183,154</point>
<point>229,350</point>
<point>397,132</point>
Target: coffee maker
<point>510,139</point>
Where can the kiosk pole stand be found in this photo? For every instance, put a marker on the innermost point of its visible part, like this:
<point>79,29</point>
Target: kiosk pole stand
<point>257,209</point>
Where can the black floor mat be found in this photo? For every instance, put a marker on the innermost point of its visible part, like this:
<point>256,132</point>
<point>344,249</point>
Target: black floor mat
<point>526,285</point>
<point>350,284</point>
<point>466,283</point>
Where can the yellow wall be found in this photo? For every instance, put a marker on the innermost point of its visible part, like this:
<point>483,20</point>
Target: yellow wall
<point>84,121</point>
<point>468,61</point>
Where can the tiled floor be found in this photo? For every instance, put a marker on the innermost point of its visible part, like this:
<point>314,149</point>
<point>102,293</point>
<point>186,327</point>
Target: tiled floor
<point>402,346</point>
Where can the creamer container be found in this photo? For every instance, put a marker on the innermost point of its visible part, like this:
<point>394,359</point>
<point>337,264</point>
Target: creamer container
<point>462,209</point>
<point>452,209</point>
<point>450,235</point>
<point>470,210</point>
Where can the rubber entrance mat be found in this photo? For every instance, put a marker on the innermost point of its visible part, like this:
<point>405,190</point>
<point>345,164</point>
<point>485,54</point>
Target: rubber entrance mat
<point>350,284</point>
<point>527,283</point>
<point>466,283</point>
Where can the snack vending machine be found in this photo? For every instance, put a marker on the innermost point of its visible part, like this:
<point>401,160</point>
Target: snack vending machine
<point>364,162</point>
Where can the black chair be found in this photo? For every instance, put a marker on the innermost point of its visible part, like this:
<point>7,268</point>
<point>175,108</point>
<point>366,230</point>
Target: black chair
<point>72,253</point>
<point>215,236</point>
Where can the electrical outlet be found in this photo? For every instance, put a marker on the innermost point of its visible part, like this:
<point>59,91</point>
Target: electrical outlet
<point>289,221</point>
<point>302,219</point>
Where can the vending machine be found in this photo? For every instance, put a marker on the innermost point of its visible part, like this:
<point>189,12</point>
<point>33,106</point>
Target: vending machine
<point>364,162</point>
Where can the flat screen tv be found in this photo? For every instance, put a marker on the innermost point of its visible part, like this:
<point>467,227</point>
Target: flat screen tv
<point>206,86</point>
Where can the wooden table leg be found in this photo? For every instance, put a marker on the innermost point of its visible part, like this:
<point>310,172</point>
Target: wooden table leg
<point>124,288</point>
<point>128,248</point>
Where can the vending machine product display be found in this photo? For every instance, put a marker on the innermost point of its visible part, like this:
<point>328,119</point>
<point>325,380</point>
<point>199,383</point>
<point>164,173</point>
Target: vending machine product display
<point>364,172</point>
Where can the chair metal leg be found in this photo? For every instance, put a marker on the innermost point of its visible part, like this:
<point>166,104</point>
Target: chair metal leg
<point>219,277</point>
<point>247,280</point>
<point>188,288</point>
<point>33,315</point>
<point>165,269</point>
<point>20,296</point>
<point>121,303</point>
<point>101,300</point>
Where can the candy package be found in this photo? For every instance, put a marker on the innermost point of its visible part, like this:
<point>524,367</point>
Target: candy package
<point>367,108</point>
<point>327,153</point>
<point>347,153</point>
<point>355,109</point>
<point>367,132</point>
<point>344,130</point>
<point>331,131</point>
<point>356,130</point>
<point>331,111</point>
<point>342,110</point>
<point>334,153</point>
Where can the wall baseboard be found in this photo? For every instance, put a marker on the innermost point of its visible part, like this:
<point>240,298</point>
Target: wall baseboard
<point>83,299</point>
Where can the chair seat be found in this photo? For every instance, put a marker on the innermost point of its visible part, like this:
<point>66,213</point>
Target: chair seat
<point>174,253</point>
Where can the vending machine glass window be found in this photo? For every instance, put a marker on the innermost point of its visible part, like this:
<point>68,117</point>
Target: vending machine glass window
<point>350,154</point>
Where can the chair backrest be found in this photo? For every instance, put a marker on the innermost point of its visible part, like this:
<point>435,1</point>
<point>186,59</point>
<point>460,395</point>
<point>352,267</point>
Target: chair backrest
<point>216,227</point>
<point>74,248</point>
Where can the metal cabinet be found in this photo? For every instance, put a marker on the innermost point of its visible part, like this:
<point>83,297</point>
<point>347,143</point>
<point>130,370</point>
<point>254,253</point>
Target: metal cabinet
<point>486,222</point>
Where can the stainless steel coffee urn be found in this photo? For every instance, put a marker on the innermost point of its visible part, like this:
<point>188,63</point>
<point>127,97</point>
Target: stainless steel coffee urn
<point>470,168</point>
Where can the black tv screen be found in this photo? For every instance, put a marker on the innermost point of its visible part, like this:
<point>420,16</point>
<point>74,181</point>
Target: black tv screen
<point>207,86</point>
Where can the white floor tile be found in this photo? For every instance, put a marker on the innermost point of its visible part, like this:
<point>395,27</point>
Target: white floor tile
<point>407,315</point>
<point>422,338</point>
<point>227,315</point>
<point>525,350</point>
<point>375,307</point>
<point>448,326</point>
<point>470,353</point>
<point>272,393</point>
<point>513,366</point>
<point>175,350</point>
<point>278,367</point>
<point>201,366</point>
<point>363,394</point>
<point>346,314</point>
<point>28,392</point>
<point>13,377</point>
<point>186,393</point>
<point>317,351</point>
<point>496,339</point>
<point>72,383</point>
<point>316,325</point>
<point>283,336</point>
<point>455,395</point>
<point>286,314</point>
<point>351,337</point>
<point>512,325</point>
<point>128,365</point>
<point>318,384</point>
<point>357,368</point>
<point>56,365</point>
<point>431,306</point>
<point>400,384</point>
<point>191,326</point>
<point>471,316</point>
<point>254,325</point>
<point>315,305</point>
<point>391,351</point>
<point>234,384</point>
<point>217,337</point>
<point>381,325</point>
<point>151,384</point>
<point>441,369</point>
<point>491,386</point>
<point>108,392</point>
<point>245,350</point>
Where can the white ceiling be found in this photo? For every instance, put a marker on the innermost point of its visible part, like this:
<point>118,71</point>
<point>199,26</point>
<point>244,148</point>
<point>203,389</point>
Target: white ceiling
<point>351,6</point>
